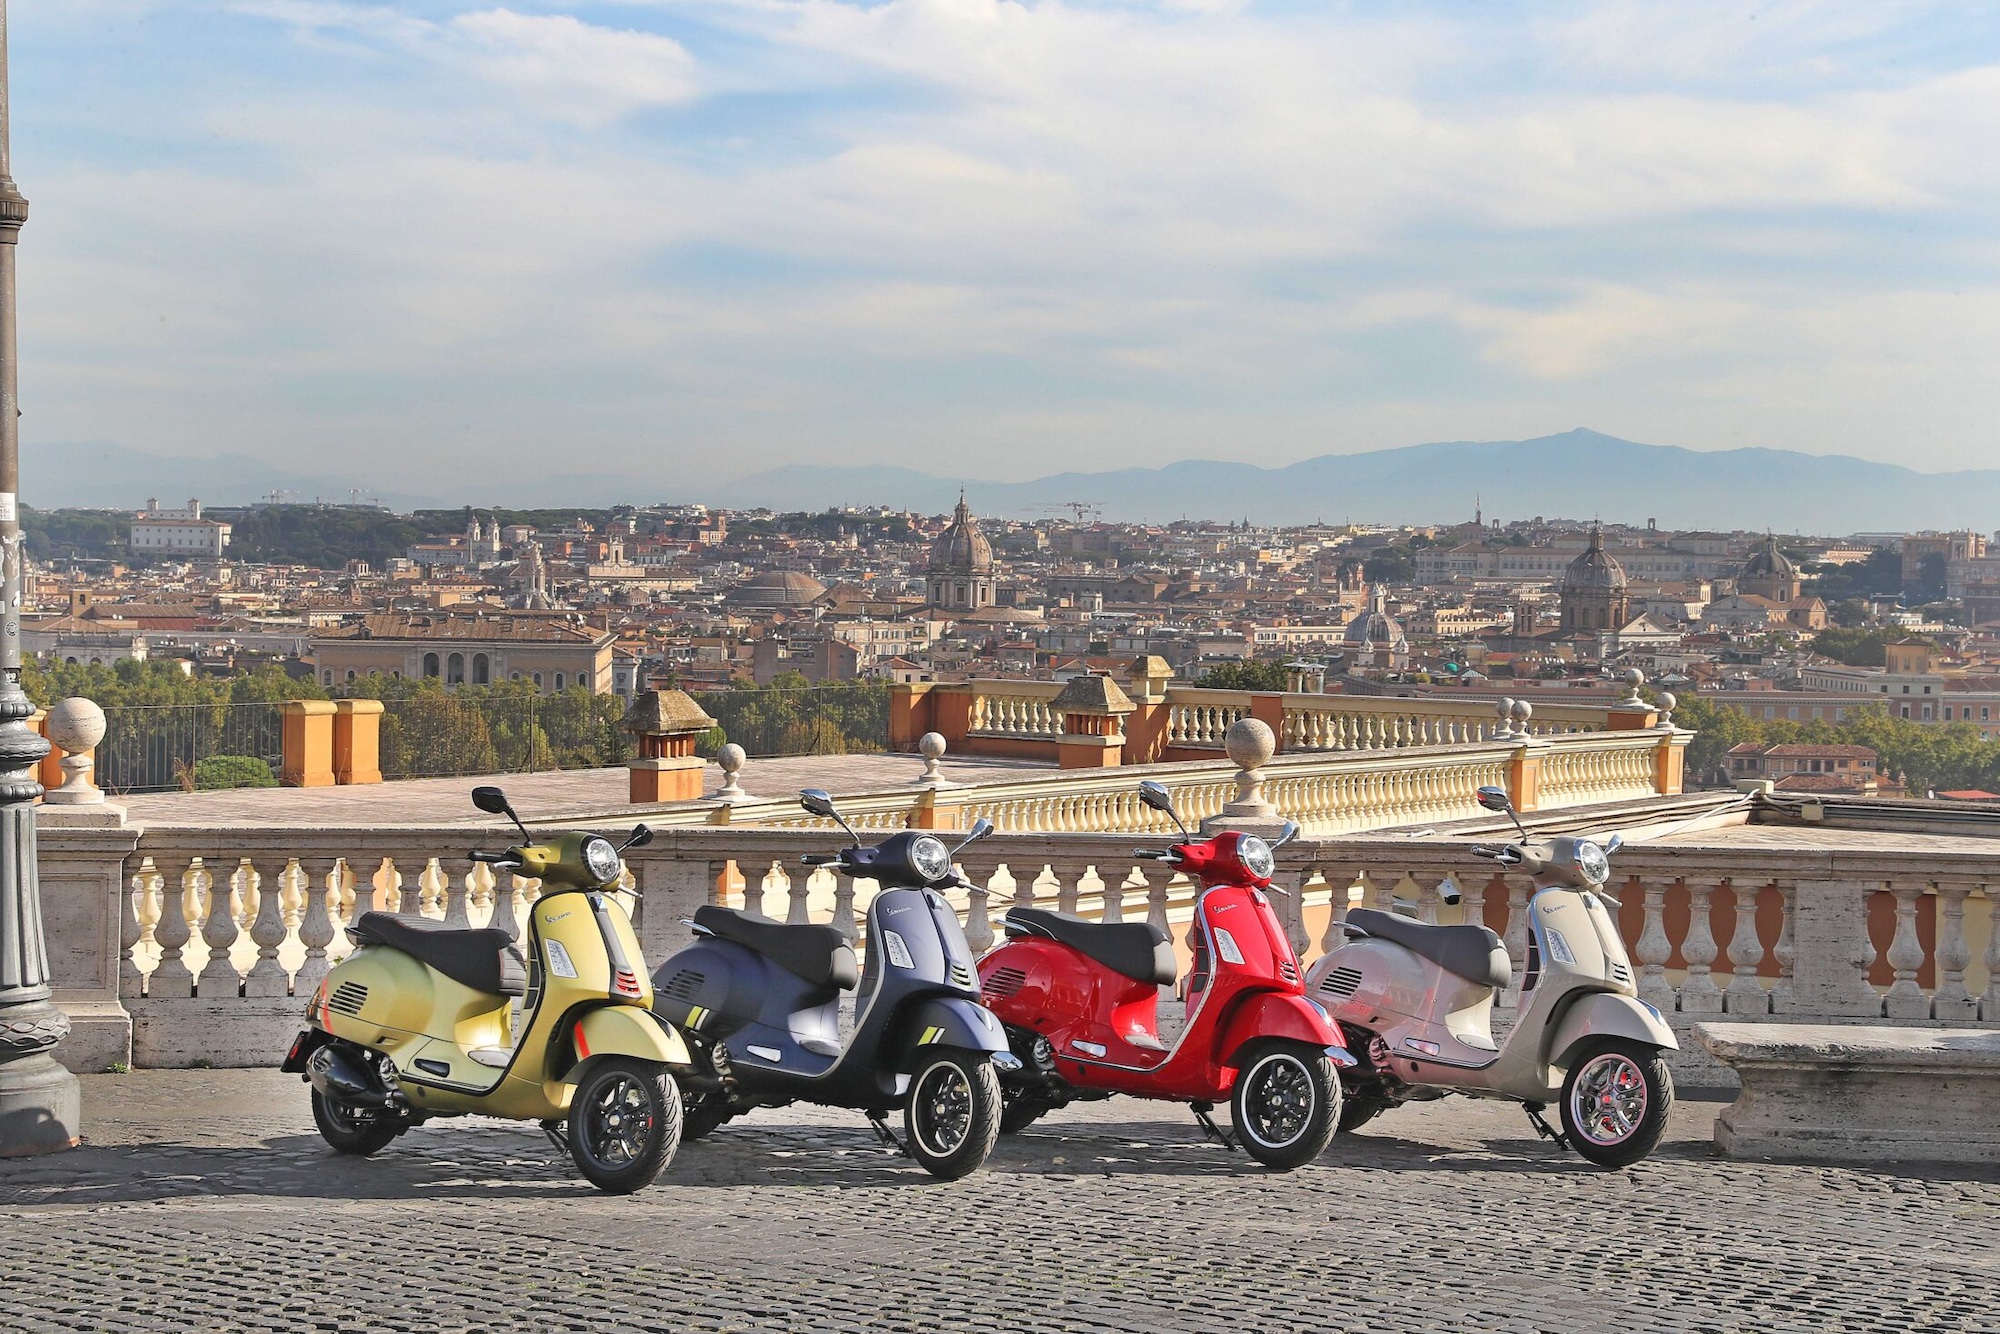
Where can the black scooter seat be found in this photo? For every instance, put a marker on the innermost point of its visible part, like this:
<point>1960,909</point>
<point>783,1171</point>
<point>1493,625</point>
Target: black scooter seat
<point>483,958</point>
<point>1471,952</point>
<point>819,954</point>
<point>1138,950</point>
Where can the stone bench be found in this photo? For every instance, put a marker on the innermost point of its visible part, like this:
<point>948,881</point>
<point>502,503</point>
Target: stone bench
<point>1833,1093</point>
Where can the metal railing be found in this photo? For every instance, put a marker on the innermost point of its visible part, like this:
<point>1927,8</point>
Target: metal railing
<point>161,747</point>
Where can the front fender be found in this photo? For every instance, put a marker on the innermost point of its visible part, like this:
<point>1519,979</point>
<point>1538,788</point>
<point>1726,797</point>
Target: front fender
<point>945,1021</point>
<point>1279,1014</point>
<point>1605,1014</point>
<point>623,1030</point>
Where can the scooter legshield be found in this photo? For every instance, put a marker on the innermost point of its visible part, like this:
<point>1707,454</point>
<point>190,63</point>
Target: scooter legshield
<point>623,1030</point>
<point>1277,1014</point>
<point>946,1021</point>
<point>1604,1014</point>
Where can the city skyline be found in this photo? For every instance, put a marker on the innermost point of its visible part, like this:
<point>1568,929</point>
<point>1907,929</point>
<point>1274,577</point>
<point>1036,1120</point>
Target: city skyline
<point>719,238</point>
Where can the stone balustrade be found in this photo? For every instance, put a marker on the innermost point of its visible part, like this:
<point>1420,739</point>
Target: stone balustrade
<point>203,945</point>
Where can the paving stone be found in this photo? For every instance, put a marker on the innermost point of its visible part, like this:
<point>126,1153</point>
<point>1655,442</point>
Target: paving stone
<point>202,1200</point>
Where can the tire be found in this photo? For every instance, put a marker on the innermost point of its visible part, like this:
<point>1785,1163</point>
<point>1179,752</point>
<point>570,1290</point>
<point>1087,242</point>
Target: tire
<point>702,1113</point>
<point>624,1124</point>
<point>1020,1110</point>
<point>1615,1101</point>
<point>1286,1104</point>
<point>953,1115</point>
<point>1358,1109</point>
<point>357,1132</point>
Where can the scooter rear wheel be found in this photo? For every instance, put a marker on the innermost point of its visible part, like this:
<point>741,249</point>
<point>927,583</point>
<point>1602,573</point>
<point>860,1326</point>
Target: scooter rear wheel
<point>1615,1101</point>
<point>624,1124</point>
<point>953,1115</point>
<point>1286,1104</point>
<point>355,1132</point>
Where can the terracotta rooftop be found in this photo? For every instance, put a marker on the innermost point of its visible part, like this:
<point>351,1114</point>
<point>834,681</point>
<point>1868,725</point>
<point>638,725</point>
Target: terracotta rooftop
<point>492,626</point>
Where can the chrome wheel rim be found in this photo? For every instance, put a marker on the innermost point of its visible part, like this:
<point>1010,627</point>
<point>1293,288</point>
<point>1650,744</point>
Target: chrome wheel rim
<point>1279,1101</point>
<point>941,1109</point>
<point>1609,1099</point>
<point>618,1123</point>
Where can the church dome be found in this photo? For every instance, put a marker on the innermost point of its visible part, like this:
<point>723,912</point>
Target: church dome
<point>1767,562</point>
<point>1594,569</point>
<point>962,548</point>
<point>1375,627</point>
<point>778,588</point>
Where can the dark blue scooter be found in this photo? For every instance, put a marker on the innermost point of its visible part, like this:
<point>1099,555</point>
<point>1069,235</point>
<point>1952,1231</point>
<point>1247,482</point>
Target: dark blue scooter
<point>758,1002</point>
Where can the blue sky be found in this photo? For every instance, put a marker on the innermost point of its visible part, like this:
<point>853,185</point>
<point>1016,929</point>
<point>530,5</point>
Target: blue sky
<point>697,239</point>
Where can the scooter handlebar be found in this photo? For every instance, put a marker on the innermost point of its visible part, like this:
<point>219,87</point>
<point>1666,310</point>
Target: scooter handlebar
<point>493,858</point>
<point>820,859</point>
<point>1154,854</point>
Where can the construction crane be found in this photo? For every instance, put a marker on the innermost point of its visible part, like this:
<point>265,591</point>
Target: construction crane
<point>1084,510</point>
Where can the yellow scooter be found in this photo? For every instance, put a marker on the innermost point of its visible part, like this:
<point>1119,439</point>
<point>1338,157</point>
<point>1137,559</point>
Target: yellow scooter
<point>418,1021</point>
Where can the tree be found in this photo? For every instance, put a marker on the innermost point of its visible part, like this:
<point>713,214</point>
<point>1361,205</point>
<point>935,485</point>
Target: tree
<point>1849,613</point>
<point>1264,674</point>
<point>229,771</point>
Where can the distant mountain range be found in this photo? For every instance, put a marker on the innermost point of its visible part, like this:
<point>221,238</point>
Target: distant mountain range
<point>1578,474</point>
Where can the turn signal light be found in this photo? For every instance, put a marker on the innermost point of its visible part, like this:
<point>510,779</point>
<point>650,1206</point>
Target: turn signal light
<point>625,982</point>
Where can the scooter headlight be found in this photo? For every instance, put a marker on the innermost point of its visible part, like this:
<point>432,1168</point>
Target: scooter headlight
<point>1255,854</point>
<point>601,860</point>
<point>930,858</point>
<point>1593,862</point>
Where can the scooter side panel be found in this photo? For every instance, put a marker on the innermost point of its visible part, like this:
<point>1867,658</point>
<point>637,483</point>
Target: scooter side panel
<point>1604,1014</point>
<point>624,1030</point>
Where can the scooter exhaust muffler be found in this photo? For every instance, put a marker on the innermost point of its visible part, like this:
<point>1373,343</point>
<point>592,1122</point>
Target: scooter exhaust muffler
<point>343,1079</point>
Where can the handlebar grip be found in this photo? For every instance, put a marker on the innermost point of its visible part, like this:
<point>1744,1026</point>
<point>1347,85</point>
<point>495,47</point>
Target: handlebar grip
<point>1486,850</point>
<point>1153,854</point>
<point>819,859</point>
<point>492,858</point>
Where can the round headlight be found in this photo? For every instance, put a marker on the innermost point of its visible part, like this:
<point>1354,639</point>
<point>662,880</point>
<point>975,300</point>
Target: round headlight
<point>930,858</point>
<point>601,860</point>
<point>1255,854</point>
<point>1592,861</point>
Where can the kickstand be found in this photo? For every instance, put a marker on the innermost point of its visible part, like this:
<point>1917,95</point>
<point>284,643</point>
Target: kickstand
<point>1212,1130</point>
<point>1543,1128</point>
<point>558,1134</point>
<point>886,1135</point>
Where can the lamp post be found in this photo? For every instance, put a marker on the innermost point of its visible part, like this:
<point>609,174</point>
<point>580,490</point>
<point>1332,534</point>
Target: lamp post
<point>39,1102</point>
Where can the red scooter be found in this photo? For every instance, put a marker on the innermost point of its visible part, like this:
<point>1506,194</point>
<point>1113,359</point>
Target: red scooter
<point>1080,1000</point>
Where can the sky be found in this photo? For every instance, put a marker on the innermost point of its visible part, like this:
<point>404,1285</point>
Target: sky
<point>690,240</point>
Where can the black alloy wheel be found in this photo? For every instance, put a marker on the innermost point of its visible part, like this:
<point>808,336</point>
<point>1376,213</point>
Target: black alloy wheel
<point>953,1115</point>
<point>356,1130</point>
<point>624,1124</point>
<point>1286,1104</point>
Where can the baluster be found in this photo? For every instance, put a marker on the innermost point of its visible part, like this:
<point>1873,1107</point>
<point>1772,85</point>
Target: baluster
<point>1516,937</point>
<point>172,933</point>
<point>1989,1001</point>
<point>315,923</point>
<point>218,976</point>
<point>454,893</point>
<point>1653,949</point>
<point>1026,891</point>
<point>1905,999</point>
<point>1952,1000</point>
<point>843,908</point>
<point>1699,994</point>
<point>506,906</point>
<point>800,908</point>
<point>1156,899</point>
<point>1292,911</point>
<point>1338,889</point>
<point>1746,995</point>
<point>978,921</point>
<point>1069,888</point>
<point>1785,951</point>
<point>135,902</point>
<point>267,977</point>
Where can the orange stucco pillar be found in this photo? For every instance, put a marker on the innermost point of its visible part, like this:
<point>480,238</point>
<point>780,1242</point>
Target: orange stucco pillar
<point>308,743</point>
<point>357,741</point>
<point>1524,778</point>
<point>49,772</point>
<point>1269,709</point>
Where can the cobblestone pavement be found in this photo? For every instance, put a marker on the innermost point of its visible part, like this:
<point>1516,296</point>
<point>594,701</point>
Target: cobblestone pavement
<point>203,1200</point>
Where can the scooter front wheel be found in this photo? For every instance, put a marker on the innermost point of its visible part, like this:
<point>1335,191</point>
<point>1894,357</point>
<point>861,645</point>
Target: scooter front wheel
<point>1286,1104</point>
<point>349,1131</point>
<point>953,1115</point>
<point>624,1124</point>
<point>1615,1101</point>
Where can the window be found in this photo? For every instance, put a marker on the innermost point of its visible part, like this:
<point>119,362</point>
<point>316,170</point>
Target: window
<point>326,677</point>
<point>350,673</point>
<point>430,664</point>
<point>481,669</point>
<point>513,676</point>
<point>454,670</point>
<point>538,680</point>
<point>559,680</point>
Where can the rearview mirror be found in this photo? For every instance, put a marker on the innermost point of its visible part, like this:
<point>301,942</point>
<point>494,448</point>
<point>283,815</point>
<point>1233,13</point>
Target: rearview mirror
<point>980,829</point>
<point>1615,842</point>
<point>491,800</point>
<point>641,836</point>
<point>1155,795</point>
<point>817,801</point>
<point>1494,799</point>
<point>1285,835</point>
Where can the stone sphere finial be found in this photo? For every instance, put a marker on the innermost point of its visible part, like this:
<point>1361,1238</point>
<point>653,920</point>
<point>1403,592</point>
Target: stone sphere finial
<point>1249,743</point>
<point>1633,678</point>
<point>1522,711</point>
<point>1505,708</point>
<point>1668,702</point>
<point>731,759</point>
<point>75,726</point>
<point>931,745</point>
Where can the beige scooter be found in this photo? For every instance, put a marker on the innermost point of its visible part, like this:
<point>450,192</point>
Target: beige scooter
<point>418,1021</point>
<point>1417,1003</point>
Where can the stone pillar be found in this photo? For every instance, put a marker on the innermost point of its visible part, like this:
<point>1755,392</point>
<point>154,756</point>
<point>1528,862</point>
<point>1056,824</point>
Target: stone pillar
<point>357,741</point>
<point>1830,938</point>
<point>1093,709</point>
<point>666,724</point>
<point>40,1105</point>
<point>307,743</point>
<point>1670,763</point>
<point>1146,726</point>
<point>49,772</point>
